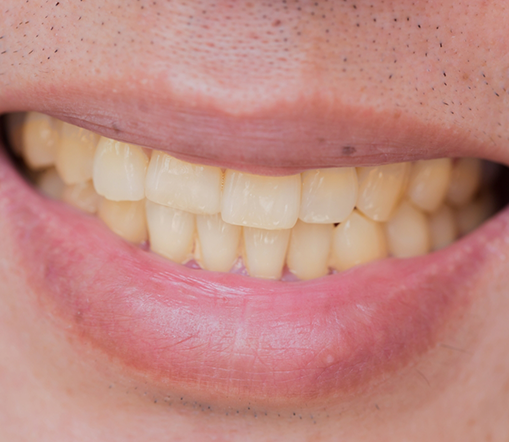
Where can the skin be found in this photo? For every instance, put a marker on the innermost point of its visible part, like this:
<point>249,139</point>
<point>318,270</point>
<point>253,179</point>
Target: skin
<point>403,80</point>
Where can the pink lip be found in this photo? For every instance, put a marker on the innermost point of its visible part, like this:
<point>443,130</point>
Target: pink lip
<point>233,336</point>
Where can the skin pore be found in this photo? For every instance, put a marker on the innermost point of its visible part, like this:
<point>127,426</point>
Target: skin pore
<point>261,86</point>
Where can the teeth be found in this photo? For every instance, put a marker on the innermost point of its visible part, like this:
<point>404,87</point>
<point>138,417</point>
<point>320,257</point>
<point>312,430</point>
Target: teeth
<point>357,241</point>
<point>260,201</point>
<point>308,254</point>
<point>473,214</point>
<point>465,180</point>
<point>50,184</point>
<point>171,231</point>
<point>82,196</point>
<point>328,195</point>
<point>39,140</point>
<point>219,242</point>
<point>265,252</point>
<point>443,228</point>
<point>75,157</point>
<point>119,170</point>
<point>14,123</point>
<point>125,218</point>
<point>428,183</point>
<point>408,232</point>
<point>380,189</point>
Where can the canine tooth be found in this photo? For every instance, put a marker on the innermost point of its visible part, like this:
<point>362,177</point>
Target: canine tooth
<point>260,201</point>
<point>356,241</point>
<point>265,251</point>
<point>125,218</point>
<point>185,186</point>
<point>428,184</point>
<point>14,123</point>
<point>443,227</point>
<point>408,232</point>
<point>50,183</point>
<point>219,242</point>
<point>75,156</point>
<point>328,195</point>
<point>465,179</point>
<point>39,140</point>
<point>473,214</point>
<point>380,189</point>
<point>171,231</point>
<point>309,250</point>
<point>82,196</point>
<point>119,170</point>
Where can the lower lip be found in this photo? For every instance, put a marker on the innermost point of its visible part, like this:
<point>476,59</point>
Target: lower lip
<point>228,335</point>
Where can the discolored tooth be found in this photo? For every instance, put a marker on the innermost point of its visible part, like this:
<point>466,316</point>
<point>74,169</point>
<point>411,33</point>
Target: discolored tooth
<point>14,125</point>
<point>219,242</point>
<point>185,186</point>
<point>465,179</point>
<point>428,183</point>
<point>265,251</point>
<point>408,232</point>
<point>125,218</point>
<point>358,240</point>
<point>443,228</point>
<point>82,196</point>
<point>328,195</point>
<point>171,231</point>
<point>119,170</point>
<point>309,250</point>
<point>380,189</point>
<point>260,201</point>
<point>473,214</point>
<point>39,140</point>
<point>75,156</point>
<point>50,184</point>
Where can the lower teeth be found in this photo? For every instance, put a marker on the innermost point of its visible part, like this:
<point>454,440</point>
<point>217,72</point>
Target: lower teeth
<point>202,214</point>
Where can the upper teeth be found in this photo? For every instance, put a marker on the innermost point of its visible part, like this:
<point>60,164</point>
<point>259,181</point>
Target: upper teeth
<point>211,215</point>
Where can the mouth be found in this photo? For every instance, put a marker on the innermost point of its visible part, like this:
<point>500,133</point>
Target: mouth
<point>274,285</point>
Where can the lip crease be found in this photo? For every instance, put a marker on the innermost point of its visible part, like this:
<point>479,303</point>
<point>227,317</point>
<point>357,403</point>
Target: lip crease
<point>234,336</point>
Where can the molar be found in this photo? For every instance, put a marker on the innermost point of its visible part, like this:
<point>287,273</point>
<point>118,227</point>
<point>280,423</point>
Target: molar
<point>465,180</point>
<point>40,140</point>
<point>443,227</point>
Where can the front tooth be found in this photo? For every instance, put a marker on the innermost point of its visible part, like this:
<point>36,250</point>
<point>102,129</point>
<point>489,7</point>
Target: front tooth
<point>309,250</point>
<point>328,195</point>
<point>119,170</point>
<point>219,242</point>
<point>408,232</point>
<point>171,231</point>
<point>265,251</point>
<point>473,214</point>
<point>443,228</point>
<point>75,157</point>
<point>428,183</point>
<point>465,180</point>
<point>82,196</point>
<point>185,186</point>
<point>125,218</point>
<point>380,189</point>
<point>260,201</point>
<point>358,240</point>
<point>50,184</point>
<point>39,140</point>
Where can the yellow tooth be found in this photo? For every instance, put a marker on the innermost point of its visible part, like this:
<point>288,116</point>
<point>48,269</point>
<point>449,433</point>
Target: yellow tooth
<point>428,184</point>
<point>50,184</point>
<point>465,181</point>
<point>82,196</point>
<point>39,140</point>
<point>75,156</point>
<point>443,227</point>
<point>185,186</point>
<point>171,231</point>
<point>309,250</point>
<point>219,242</point>
<point>15,122</point>
<point>328,195</point>
<point>472,215</point>
<point>119,170</point>
<point>358,240</point>
<point>265,252</point>
<point>408,232</point>
<point>125,218</point>
<point>260,201</point>
<point>380,189</point>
